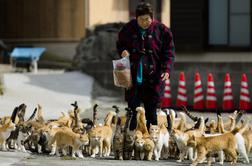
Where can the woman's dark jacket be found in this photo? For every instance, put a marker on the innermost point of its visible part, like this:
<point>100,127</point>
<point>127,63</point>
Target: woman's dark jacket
<point>158,52</point>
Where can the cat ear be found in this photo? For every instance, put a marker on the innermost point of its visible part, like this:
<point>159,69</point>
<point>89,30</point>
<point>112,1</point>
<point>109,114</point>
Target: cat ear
<point>150,125</point>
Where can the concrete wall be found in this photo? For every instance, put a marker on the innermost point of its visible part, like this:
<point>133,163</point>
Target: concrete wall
<point>166,12</point>
<point>101,11</point>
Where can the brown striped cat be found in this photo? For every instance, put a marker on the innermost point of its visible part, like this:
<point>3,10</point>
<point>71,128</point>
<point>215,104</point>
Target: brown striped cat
<point>118,139</point>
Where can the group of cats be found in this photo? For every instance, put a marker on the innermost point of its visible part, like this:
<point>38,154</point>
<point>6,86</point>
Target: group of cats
<point>70,135</point>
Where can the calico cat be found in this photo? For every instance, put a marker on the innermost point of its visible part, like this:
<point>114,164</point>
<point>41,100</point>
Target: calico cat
<point>5,131</point>
<point>65,138</point>
<point>16,117</point>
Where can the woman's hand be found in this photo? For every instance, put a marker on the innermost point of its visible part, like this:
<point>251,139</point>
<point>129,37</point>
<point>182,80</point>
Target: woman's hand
<point>165,76</point>
<point>125,53</point>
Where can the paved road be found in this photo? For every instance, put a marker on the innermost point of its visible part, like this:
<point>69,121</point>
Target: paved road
<point>42,160</point>
<point>54,90</point>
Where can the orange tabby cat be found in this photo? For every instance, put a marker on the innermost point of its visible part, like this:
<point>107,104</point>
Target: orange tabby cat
<point>205,145</point>
<point>69,138</point>
<point>139,152</point>
<point>141,122</point>
<point>148,148</point>
<point>101,137</point>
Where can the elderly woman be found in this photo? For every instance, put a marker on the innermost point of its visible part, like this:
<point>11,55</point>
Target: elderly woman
<point>149,45</point>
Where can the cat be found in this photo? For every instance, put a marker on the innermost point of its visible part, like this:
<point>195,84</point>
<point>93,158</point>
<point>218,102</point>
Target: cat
<point>248,139</point>
<point>118,141</point>
<point>16,117</point>
<point>141,122</point>
<point>48,132</point>
<point>139,152</point>
<point>160,136</point>
<point>181,139</point>
<point>128,147</point>
<point>144,149</point>
<point>148,148</point>
<point>240,140</point>
<point>65,138</point>
<point>5,131</point>
<point>205,145</point>
<point>23,134</point>
<point>101,137</point>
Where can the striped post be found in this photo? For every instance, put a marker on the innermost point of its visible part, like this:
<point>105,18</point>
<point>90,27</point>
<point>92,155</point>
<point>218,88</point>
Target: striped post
<point>227,95</point>
<point>198,101</point>
<point>211,99</point>
<point>166,99</point>
<point>244,103</point>
<point>181,97</point>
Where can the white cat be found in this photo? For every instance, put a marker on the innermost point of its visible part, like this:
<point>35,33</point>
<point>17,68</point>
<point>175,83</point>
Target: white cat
<point>160,137</point>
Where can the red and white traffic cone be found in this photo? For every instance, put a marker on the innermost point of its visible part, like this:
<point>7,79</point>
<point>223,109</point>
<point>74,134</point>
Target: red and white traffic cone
<point>211,99</point>
<point>181,97</point>
<point>228,100</point>
<point>166,99</point>
<point>244,94</point>
<point>198,101</point>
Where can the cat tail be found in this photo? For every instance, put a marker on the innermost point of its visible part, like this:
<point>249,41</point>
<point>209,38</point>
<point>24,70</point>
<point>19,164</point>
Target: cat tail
<point>220,125</point>
<point>236,130</point>
<point>190,115</point>
<point>108,118</point>
<point>33,115</point>
<point>40,114</point>
<point>141,120</point>
<point>76,118</point>
<point>182,122</point>
<point>14,115</point>
<point>244,126</point>
<point>172,117</point>
<point>21,112</point>
<point>128,116</point>
<point>148,145</point>
<point>95,114</point>
<point>115,118</point>
<point>233,122</point>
